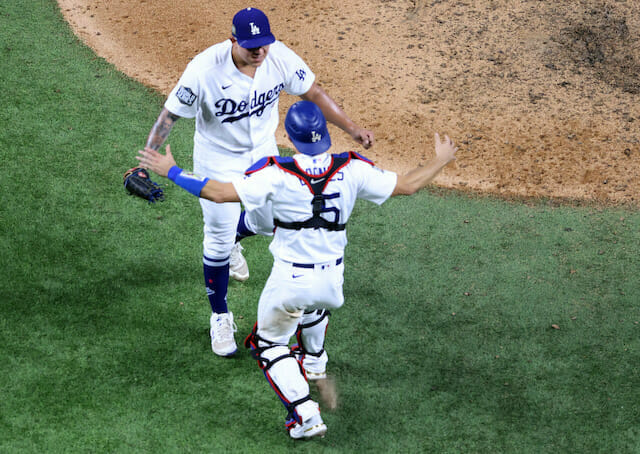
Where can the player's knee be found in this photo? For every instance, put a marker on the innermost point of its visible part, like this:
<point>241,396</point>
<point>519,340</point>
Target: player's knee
<point>269,354</point>
<point>217,249</point>
<point>292,311</point>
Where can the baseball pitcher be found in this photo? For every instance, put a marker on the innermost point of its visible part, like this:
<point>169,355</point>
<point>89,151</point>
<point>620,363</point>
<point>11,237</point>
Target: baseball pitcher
<point>232,90</point>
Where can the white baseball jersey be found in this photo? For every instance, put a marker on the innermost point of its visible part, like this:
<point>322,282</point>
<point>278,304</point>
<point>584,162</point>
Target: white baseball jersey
<point>233,111</point>
<point>291,202</point>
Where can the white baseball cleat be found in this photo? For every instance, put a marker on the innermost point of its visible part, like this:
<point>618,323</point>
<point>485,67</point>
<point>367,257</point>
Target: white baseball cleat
<point>222,329</point>
<point>238,268</point>
<point>312,427</point>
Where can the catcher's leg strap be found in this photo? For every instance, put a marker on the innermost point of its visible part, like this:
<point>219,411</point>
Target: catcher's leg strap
<point>312,318</point>
<point>310,349</point>
<point>312,331</point>
<point>302,411</point>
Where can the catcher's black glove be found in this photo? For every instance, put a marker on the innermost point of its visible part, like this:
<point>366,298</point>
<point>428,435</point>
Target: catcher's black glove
<point>138,183</point>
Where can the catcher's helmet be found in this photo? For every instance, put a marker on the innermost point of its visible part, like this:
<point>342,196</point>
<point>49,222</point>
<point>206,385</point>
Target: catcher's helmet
<point>307,128</point>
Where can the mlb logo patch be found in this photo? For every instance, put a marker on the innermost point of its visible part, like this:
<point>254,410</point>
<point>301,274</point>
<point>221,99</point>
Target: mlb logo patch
<point>186,96</point>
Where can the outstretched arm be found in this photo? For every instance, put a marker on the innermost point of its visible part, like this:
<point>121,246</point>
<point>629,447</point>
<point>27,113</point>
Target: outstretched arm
<point>334,114</point>
<point>165,166</point>
<point>161,129</point>
<point>420,177</point>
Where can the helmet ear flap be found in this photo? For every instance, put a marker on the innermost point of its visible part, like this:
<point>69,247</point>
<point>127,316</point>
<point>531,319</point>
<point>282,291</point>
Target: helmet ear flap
<point>307,128</point>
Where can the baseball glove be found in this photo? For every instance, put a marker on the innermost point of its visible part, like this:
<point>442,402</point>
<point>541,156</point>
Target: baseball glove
<point>138,183</point>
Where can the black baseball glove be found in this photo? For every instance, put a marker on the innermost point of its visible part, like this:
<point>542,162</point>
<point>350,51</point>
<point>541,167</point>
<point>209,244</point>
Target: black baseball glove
<point>138,183</point>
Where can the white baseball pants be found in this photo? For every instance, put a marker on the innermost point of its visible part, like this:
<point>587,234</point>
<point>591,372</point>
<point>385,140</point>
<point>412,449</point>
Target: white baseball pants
<point>221,219</point>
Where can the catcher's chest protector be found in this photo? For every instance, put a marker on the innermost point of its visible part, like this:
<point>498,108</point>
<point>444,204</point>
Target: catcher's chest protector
<point>316,184</point>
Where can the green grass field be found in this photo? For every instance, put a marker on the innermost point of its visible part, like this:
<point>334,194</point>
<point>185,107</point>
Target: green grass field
<point>445,343</point>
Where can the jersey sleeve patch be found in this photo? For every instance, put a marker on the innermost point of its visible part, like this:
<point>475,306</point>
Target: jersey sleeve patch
<point>186,96</point>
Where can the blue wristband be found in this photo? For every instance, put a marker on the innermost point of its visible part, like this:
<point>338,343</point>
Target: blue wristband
<point>187,180</point>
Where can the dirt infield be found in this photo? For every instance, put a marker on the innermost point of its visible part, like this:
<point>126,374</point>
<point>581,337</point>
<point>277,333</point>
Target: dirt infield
<point>543,97</point>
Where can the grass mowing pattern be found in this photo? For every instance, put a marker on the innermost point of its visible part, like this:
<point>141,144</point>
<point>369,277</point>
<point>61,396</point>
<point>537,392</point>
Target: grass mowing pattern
<point>444,344</point>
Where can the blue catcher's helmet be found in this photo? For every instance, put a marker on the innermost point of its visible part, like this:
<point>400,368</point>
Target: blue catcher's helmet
<point>307,128</point>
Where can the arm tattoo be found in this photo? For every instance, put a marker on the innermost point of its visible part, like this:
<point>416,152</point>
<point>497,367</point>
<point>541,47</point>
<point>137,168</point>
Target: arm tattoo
<point>161,129</point>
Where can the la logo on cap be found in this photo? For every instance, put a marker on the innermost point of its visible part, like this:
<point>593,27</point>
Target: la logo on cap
<point>315,137</point>
<point>251,29</point>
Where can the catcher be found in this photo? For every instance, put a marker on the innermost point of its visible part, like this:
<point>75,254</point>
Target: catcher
<point>310,211</point>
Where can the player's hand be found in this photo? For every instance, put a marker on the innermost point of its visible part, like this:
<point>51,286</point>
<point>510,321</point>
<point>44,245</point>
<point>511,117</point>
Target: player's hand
<point>445,149</point>
<point>158,163</point>
<point>364,137</point>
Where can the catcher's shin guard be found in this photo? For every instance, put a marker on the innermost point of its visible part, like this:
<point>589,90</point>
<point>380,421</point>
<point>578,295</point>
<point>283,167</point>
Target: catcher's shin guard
<point>285,375</point>
<point>310,349</point>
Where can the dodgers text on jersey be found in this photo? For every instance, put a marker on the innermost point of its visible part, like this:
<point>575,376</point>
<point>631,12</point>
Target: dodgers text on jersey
<point>235,110</point>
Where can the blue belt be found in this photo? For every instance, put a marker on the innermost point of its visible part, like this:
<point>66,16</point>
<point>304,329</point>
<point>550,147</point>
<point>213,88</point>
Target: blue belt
<point>311,265</point>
